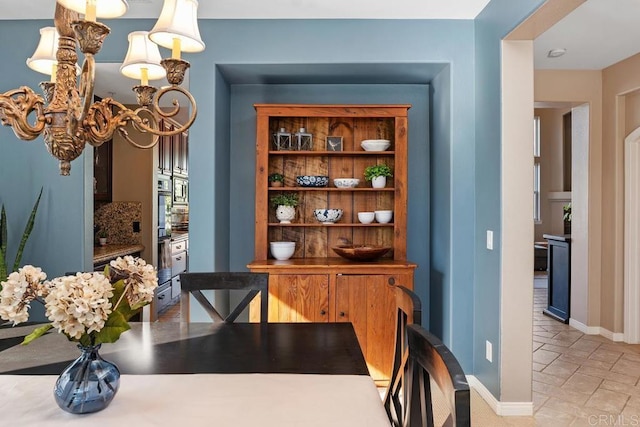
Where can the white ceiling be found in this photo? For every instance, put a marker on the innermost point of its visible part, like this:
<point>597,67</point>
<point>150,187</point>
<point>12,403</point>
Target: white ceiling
<point>596,35</point>
<point>272,9</point>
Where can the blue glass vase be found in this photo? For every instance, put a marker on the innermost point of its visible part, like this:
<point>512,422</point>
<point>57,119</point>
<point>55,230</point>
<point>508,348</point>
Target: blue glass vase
<point>89,384</point>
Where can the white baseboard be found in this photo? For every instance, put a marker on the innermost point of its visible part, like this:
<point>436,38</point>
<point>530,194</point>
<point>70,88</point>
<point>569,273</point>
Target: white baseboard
<point>505,409</point>
<point>596,330</point>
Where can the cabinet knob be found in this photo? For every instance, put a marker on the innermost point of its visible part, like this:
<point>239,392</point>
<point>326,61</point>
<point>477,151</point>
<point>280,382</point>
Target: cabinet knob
<point>161,296</point>
<point>392,281</point>
<point>342,314</point>
<point>323,312</point>
<point>178,246</point>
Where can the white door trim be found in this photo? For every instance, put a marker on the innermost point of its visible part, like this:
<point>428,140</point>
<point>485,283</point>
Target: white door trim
<point>632,237</point>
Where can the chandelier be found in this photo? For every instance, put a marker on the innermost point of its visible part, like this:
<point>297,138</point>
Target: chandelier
<point>66,115</point>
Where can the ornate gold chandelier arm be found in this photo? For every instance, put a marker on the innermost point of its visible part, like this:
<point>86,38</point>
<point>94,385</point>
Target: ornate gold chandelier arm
<point>193,109</point>
<point>15,107</point>
<point>101,122</point>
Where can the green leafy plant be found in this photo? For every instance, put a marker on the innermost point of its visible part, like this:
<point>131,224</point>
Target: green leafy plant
<point>102,233</point>
<point>286,199</point>
<point>567,212</point>
<point>373,171</point>
<point>25,236</point>
<point>276,177</point>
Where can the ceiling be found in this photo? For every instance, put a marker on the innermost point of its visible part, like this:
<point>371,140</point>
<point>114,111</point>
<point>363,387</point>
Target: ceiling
<point>596,35</point>
<point>286,9</point>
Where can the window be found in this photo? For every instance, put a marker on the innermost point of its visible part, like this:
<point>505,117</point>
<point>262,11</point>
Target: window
<point>536,169</point>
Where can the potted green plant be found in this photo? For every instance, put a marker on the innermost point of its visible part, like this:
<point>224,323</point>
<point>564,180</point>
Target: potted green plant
<point>4,268</point>
<point>285,204</point>
<point>378,174</point>
<point>102,236</point>
<point>276,180</point>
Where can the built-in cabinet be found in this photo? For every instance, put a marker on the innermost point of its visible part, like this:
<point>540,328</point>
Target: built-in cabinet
<point>181,154</point>
<point>165,144</point>
<point>173,151</point>
<point>316,285</point>
<point>102,172</point>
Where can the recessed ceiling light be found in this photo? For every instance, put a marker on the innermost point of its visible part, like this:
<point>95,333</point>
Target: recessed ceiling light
<point>556,53</point>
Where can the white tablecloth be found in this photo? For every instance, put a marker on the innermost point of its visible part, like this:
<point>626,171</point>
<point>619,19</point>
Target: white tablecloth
<point>220,400</point>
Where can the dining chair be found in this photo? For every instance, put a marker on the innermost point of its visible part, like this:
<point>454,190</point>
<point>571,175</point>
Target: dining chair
<point>430,361</point>
<point>408,311</point>
<point>195,283</point>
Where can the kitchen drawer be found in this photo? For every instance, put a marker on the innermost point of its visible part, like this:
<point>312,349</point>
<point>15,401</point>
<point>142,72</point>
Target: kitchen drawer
<point>175,287</point>
<point>179,246</point>
<point>163,299</point>
<point>178,263</point>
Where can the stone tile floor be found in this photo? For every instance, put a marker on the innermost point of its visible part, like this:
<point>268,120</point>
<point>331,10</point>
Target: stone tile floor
<point>581,380</point>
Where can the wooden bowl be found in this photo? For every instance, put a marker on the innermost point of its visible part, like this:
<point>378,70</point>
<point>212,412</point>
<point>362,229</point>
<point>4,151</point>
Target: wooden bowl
<point>361,252</point>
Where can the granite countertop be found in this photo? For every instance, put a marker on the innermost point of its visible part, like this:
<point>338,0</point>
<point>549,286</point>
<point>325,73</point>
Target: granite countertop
<point>107,252</point>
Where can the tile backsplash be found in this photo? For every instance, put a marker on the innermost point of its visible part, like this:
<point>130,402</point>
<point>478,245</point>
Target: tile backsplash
<point>120,219</point>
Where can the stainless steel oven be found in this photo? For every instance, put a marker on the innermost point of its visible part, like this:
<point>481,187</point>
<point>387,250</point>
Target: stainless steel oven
<point>180,191</point>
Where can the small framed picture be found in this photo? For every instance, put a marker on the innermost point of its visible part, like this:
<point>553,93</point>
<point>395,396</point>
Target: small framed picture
<point>334,143</point>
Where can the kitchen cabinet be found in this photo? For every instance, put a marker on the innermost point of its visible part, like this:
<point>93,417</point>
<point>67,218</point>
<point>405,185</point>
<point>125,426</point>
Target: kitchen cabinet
<point>180,154</point>
<point>165,152</point>
<point>316,284</point>
<point>179,264</point>
<point>102,172</point>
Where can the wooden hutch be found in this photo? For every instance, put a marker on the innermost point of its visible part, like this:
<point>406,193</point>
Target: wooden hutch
<point>316,285</point>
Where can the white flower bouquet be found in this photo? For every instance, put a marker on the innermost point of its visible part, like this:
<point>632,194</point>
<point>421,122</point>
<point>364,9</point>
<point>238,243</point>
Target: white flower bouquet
<point>89,308</point>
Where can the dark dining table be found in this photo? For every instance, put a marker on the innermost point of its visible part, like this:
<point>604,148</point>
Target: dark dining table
<point>239,374</point>
<point>189,348</point>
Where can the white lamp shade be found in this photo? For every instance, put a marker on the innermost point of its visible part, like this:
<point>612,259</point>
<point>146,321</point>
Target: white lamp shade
<point>104,8</point>
<point>178,19</point>
<point>142,53</point>
<point>44,58</point>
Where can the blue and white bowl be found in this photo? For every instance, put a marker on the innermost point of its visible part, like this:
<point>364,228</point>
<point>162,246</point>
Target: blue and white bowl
<point>328,216</point>
<point>312,180</point>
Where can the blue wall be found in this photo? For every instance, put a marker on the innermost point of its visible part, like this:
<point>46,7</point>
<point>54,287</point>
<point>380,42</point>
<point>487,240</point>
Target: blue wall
<point>457,151</point>
<point>493,24</point>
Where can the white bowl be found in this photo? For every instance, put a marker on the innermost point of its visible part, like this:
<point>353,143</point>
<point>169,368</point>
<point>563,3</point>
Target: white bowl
<point>346,182</point>
<point>282,250</point>
<point>366,217</point>
<point>327,216</point>
<point>383,217</point>
<point>375,144</point>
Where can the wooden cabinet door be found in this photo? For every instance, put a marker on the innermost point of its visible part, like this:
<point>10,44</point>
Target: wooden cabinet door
<point>165,150</point>
<point>298,298</point>
<point>180,151</point>
<point>368,302</point>
<point>102,172</point>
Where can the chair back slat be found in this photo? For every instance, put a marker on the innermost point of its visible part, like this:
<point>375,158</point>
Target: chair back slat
<point>429,359</point>
<point>408,311</point>
<point>255,283</point>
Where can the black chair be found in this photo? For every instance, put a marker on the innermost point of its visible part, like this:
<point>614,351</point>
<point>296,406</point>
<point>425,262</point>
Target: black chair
<point>429,359</point>
<point>195,283</point>
<point>408,311</point>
